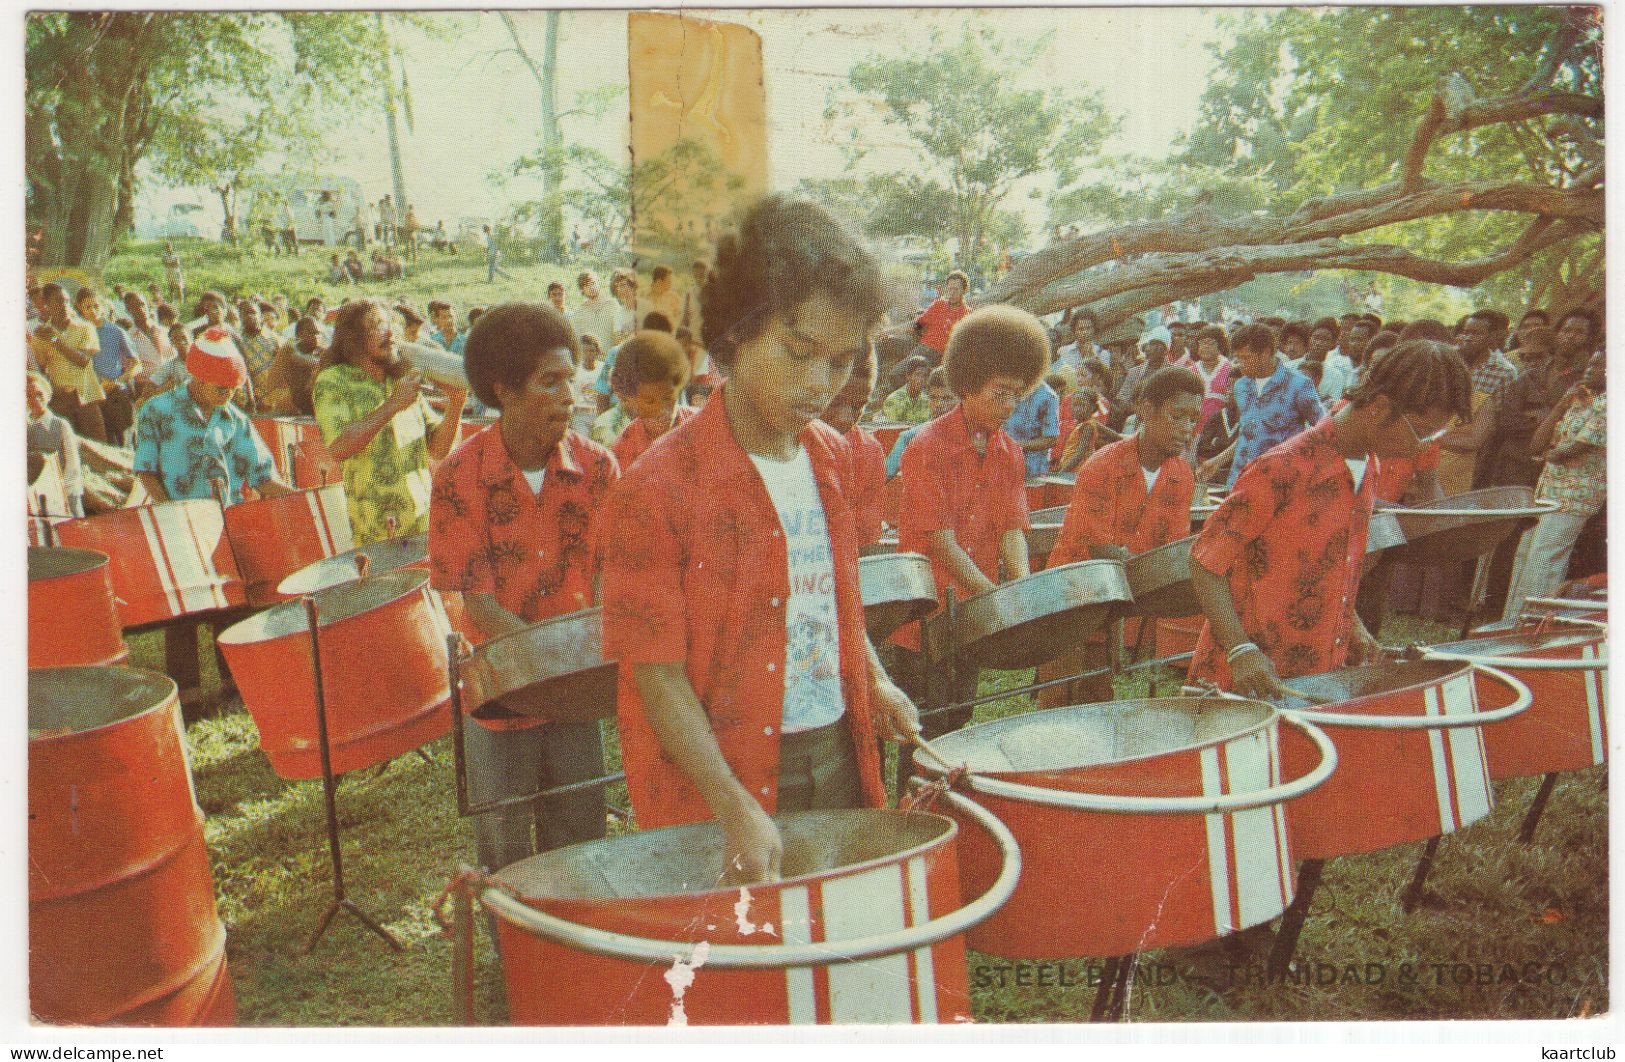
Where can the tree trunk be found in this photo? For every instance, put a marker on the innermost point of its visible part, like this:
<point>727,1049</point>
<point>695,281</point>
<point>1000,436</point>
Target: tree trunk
<point>124,215</point>
<point>553,191</point>
<point>228,210</point>
<point>390,121</point>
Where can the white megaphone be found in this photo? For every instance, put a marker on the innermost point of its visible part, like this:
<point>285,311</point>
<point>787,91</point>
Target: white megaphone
<point>436,364</point>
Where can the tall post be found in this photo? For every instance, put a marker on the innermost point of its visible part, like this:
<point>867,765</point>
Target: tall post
<point>390,121</point>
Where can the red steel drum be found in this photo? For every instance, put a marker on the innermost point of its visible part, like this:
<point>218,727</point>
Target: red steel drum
<point>1056,490</point>
<point>1074,785</point>
<point>121,909</point>
<point>275,537</point>
<point>1566,728</point>
<point>886,433</point>
<point>388,555</point>
<point>1178,636</point>
<point>384,674</point>
<point>72,617</point>
<point>1410,750</point>
<point>168,560</point>
<point>880,887</point>
<point>297,449</point>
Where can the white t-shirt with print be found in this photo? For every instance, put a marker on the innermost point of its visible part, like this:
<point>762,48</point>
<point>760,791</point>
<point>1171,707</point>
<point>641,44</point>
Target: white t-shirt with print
<point>812,659</point>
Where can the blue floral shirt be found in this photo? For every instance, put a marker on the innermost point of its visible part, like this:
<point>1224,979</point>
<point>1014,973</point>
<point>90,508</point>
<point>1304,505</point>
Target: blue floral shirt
<point>1038,416</point>
<point>187,451</point>
<point>1273,410</point>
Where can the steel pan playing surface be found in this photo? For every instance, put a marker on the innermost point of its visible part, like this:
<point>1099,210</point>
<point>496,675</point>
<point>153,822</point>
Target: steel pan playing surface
<point>1506,511</point>
<point>553,670</point>
<point>1031,621</point>
<point>386,556</point>
<point>897,589</point>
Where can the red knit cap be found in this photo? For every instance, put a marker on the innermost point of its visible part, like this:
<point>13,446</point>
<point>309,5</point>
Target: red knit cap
<point>214,359</point>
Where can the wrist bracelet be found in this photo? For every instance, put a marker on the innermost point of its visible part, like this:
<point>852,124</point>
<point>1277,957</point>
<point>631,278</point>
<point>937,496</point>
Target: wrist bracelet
<point>1230,657</point>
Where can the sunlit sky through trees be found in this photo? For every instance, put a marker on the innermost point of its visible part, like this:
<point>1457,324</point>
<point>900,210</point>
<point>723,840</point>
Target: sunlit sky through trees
<point>476,107</point>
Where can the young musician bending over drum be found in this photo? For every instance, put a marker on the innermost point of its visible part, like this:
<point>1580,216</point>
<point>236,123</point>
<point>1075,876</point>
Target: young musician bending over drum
<point>651,370</point>
<point>748,685</point>
<point>868,458</point>
<point>192,437</point>
<point>1277,567</point>
<point>964,480</point>
<point>513,528</point>
<point>1131,496</point>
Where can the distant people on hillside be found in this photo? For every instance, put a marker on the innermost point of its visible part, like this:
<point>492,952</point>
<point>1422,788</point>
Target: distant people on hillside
<point>493,258</point>
<point>173,274</point>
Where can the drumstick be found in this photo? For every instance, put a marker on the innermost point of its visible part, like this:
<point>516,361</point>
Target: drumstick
<point>918,740</point>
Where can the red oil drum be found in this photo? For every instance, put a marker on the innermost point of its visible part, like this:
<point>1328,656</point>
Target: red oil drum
<point>865,926</point>
<point>297,449</point>
<point>1056,490</point>
<point>168,560</point>
<point>1411,754</point>
<point>886,433</point>
<point>121,909</point>
<point>275,537</point>
<point>1566,670</point>
<point>72,617</point>
<point>1075,785</point>
<point>384,674</point>
<point>1178,636</point>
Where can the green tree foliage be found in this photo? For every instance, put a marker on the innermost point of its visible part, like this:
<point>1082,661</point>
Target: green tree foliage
<point>182,91</point>
<point>979,131</point>
<point>1306,103</point>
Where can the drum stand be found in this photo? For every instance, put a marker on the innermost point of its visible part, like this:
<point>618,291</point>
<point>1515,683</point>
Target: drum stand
<point>335,852</point>
<point>1538,808</point>
<point>1292,919</point>
<point>1112,995</point>
<point>459,754</point>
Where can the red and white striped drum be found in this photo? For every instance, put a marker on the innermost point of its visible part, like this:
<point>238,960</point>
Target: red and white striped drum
<point>297,448</point>
<point>275,537</point>
<point>72,617</point>
<point>1075,786</point>
<point>637,930</point>
<point>384,674</point>
<point>1411,761</point>
<point>1566,670</point>
<point>168,560</point>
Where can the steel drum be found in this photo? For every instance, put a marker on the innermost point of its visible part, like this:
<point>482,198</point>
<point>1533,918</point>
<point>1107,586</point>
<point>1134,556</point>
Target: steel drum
<point>1383,533</point>
<point>121,906</point>
<point>1041,539</point>
<point>1056,491</point>
<point>865,927</point>
<point>897,589</point>
<point>1055,514</point>
<point>1160,580</point>
<point>1472,524</point>
<point>886,432</point>
<point>168,560</point>
<point>1073,785</point>
<point>384,674</point>
<point>298,451</point>
<point>1566,670</point>
<point>411,551</point>
<point>1411,762</point>
<point>1033,620</point>
<point>553,670</point>
<point>72,616</point>
<point>275,537</point>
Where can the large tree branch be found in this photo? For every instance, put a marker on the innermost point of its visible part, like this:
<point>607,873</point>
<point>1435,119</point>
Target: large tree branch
<point>1157,279</point>
<point>1439,122</point>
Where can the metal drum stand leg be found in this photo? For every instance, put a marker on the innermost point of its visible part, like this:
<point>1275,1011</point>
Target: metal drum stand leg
<point>1286,937</point>
<point>1538,808</point>
<point>1413,892</point>
<point>329,793</point>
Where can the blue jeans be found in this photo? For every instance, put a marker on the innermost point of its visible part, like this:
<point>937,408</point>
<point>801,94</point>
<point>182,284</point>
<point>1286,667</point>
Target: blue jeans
<point>1543,559</point>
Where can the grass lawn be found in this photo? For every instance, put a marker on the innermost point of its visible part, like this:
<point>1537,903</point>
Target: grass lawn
<point>1506,929</point>
<point>458,278</point>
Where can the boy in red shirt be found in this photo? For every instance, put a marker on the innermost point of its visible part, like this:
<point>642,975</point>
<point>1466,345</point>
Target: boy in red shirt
<point>651,370</point>
<point>964,480</point>
<point>731,600</point>
<point>1131,496</point>
<point>1277,567</point>
<point>513,530</point>
<point>868,456</point>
